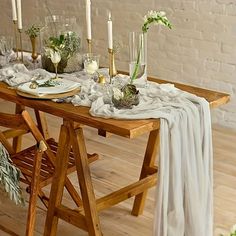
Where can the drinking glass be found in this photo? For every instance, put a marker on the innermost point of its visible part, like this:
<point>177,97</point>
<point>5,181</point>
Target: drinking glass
<point>138,56</point>
<point>91,63</point>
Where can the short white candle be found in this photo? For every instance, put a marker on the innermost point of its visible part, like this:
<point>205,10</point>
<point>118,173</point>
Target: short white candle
<point>14,15</point>
<point>109,28</point>
<point>88,19</point>
<point>19,14</point>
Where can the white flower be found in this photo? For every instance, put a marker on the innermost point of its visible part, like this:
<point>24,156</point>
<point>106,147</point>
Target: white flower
<point>161,13</point>
<point>156,18</point>
<point>53,55</point>
<point>233,229</point>
<point>91,67</point>
<point>117,93</point>
<point>48,52</point>
<point>152,14</point>
<point>145,18</point>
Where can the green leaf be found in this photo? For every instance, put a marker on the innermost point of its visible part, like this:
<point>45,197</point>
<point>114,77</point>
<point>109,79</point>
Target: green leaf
<point>9,177</point>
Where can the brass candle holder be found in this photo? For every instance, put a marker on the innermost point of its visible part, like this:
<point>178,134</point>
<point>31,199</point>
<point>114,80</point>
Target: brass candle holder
<point>89,41</point>
<point>34,53</point>
<point>21,46</point>
<point>101,79</point>
<point>112,67</point>
<point>16,39</point>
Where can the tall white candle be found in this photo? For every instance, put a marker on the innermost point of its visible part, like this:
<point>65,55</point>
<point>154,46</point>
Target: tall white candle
<point>14,15</point>
<point>88,19</point>
<point>19,14</point>
<point>109,28</point>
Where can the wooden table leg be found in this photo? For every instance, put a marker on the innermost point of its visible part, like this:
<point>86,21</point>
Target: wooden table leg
<point>85,181</point>
<point>58,182</point>
<point>149,160</point>
<point>69,136</point>
<point>42,123</point>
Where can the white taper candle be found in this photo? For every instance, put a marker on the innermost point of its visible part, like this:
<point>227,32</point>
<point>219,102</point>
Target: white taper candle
<point>14,15</point>
<point>19,14</point>
<point>109,28</point>
<point>88,19</point>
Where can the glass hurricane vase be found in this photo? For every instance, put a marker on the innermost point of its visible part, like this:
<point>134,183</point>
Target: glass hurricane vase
<point>138,56</point>
<point>63,33</point>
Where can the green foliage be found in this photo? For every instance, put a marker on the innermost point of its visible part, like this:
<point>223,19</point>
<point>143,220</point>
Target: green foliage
<point>33,31</point>
<point>67,44</point>
<point>9,177</point>
<point>155,20</point>
<point>232,233</point>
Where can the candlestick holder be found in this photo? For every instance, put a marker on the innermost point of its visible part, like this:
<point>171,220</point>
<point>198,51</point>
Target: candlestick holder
<point>112,67</point>
<point>21,47</point>
<point>16,39</point>
<point>89,41</point>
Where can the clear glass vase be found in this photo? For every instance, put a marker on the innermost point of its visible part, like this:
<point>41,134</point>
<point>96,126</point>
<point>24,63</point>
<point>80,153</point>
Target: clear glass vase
<point>138,57</point>
<point>62,33</point>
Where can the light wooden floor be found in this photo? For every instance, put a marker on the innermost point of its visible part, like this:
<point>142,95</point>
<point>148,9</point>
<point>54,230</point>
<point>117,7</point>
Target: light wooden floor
<point>119,164</point>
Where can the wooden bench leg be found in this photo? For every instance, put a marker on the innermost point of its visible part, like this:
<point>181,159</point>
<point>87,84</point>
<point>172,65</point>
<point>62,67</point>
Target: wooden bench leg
<point>85,181</point>
<point>58,182</point>
<point>149,160</point>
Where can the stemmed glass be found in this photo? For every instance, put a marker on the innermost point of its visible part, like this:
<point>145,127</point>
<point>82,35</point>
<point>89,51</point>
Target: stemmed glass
<point>55,57</point>
<point>6,46</point>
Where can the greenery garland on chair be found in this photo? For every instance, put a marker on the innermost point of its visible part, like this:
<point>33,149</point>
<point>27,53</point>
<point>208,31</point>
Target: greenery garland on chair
<point>9,177</point>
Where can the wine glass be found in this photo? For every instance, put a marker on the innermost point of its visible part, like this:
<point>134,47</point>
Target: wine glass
<point>6,46</point>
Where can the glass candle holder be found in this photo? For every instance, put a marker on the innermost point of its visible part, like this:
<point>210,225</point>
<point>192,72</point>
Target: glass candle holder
<point>91,63</point>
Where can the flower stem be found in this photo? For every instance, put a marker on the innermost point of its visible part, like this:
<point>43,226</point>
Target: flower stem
<point>134,75</point>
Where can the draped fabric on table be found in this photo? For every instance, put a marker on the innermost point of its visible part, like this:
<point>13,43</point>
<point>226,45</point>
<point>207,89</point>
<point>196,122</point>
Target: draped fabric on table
<point>185,184</point>
<point>184,204</point>
<point>184,193</point>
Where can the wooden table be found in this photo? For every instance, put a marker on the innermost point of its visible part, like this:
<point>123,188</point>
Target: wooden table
<point>86,217</point>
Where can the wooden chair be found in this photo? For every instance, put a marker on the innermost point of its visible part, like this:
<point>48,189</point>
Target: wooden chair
<point>36,164</point>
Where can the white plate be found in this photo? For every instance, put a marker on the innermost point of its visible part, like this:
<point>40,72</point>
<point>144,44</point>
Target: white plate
<point>63,86</point>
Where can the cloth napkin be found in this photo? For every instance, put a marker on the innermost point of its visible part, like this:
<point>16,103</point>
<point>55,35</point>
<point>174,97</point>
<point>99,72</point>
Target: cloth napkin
<point>61,86</point>
<point>17,74</point>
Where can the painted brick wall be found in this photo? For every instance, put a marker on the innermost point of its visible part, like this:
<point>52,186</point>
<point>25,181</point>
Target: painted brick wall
<point>199,50</point>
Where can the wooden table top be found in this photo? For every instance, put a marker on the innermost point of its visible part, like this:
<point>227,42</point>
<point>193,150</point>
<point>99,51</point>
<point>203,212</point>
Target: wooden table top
<point>127,128</point>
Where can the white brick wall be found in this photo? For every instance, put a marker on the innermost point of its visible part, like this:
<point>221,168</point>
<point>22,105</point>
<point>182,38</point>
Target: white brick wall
<point>199,50</point>
<point>206,30</point>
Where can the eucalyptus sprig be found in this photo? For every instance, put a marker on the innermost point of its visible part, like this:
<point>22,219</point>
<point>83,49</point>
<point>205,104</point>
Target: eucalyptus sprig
<point>10,177</point>
<point>152,17</point>
<point>33,31</point>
